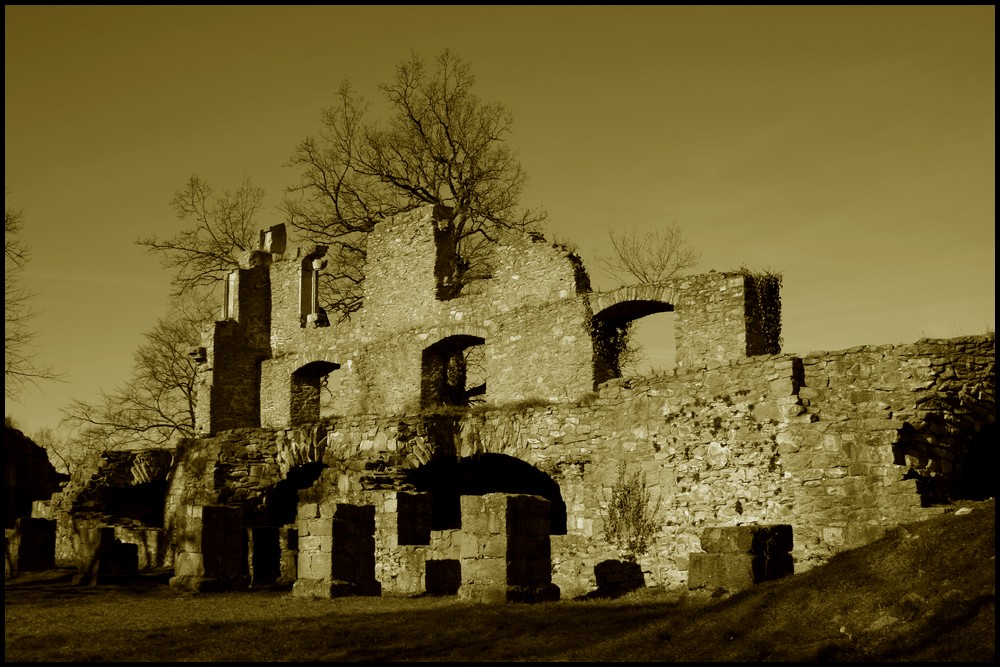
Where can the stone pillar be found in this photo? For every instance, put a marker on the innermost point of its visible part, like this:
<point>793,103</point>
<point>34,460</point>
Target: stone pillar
<point>288,540</point>
<point>506,551</point>
<point>737,557</point>
<point>315,317</point>
<point>213,556</point>
<point>336,551</point>
<point>402,531</point>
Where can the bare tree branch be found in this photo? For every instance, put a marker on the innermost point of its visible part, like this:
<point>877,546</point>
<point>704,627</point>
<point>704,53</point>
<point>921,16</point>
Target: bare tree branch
<point>224,228</point>
<point>648,257</point>
<point>439,145</point>
<point>158,402</point>
<point>20,367</point>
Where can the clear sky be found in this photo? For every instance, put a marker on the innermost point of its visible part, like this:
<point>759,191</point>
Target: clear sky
<point>851,149</point>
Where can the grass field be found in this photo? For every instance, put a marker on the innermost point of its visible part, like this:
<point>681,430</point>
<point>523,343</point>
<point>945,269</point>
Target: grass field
<point>925,592</point>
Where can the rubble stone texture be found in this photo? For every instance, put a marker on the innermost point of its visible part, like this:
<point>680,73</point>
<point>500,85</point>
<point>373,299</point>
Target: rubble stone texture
<point>840,446</point>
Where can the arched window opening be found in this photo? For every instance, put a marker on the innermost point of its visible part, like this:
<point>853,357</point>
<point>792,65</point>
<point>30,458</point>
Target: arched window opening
<point>452,372</point>
<point>633,338</point>
<point>307,385</point>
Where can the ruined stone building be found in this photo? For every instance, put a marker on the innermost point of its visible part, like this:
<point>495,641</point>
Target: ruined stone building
<point>469,443</point>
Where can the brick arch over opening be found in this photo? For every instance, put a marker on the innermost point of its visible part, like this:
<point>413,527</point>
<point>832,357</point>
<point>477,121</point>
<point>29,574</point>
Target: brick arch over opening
<point>448,479</point>
<point>613,313</point>
<point>306,384</point>
<point>443,371</point>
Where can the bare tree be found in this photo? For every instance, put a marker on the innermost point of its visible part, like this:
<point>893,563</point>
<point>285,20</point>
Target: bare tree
<point>440,145</point>
<point>20,367</point>
<point>66,454</point>
<point>224,228</point>
<point>648,257</point>
<point>158,402</point>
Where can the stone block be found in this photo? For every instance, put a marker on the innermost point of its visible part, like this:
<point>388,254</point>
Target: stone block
<point>188,564</point>
<point>747,539</point>
<point>729,571</point>
<point>481,571</point>
<point>616,576</point>
<point>739,556</point>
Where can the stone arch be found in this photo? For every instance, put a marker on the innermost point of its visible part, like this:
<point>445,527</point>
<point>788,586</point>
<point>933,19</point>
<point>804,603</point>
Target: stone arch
<point>614,312</point>
<point>448,479</point>
<point>306,385</point>
<point>444,372</point>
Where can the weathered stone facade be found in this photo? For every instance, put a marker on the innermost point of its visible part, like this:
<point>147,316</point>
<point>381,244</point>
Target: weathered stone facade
<point>380,495</point>
<point>539,328</point>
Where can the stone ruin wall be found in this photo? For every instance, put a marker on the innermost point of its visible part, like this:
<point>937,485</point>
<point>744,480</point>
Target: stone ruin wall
<point>774,440</point>
<point>839,445</point>
<point>528,317</point>
<point>835,444</point>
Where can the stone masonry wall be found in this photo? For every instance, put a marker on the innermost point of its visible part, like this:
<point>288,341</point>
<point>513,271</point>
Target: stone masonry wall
<point>819,443</point>
<point>880,433</point>
<point>838,445</point>
<point>533,318</point>
<point>712,323</point>
<point>534,324</point>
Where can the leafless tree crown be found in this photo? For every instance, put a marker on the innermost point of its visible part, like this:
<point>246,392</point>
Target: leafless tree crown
<point>440,144</point>
<point>648,257</point>
<point>224,227</point>
<point>158,402</point>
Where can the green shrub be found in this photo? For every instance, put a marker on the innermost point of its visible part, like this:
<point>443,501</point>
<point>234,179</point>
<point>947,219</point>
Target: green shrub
<point>630,523</point>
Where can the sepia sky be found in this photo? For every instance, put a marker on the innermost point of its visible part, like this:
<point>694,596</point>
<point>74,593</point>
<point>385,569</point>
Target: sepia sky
<point>851,149</point>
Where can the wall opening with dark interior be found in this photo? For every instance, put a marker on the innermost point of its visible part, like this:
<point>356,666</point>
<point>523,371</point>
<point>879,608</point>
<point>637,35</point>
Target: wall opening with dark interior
<point>648,323</point>
<point>307,387</point>
<point>974,471</point>
<point>281,506</point>
<point>143,502</point>
<point>451,372</point>
<point>448,479</point>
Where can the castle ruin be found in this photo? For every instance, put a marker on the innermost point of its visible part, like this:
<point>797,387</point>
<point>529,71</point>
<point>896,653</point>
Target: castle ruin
<point>467,442</point>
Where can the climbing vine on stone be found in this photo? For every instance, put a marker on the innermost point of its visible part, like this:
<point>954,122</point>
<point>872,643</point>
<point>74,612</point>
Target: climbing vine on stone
<point>630,523</point>
<point>763,311</point>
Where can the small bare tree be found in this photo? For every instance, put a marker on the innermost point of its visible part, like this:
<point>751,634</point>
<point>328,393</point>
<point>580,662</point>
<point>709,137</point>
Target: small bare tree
<point>20,367</point>
<point>648,257</point>
<point>158,402</point>
<point>224,227</point>
<point>66,455</point>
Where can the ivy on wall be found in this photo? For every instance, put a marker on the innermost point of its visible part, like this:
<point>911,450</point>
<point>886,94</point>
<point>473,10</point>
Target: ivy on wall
<point>762,301</point>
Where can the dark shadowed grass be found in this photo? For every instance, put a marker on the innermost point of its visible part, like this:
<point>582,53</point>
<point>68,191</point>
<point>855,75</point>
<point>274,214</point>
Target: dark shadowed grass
<point>923,593</point>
